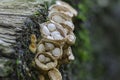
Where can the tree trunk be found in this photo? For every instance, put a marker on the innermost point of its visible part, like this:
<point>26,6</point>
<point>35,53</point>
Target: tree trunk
<point>13,14</point>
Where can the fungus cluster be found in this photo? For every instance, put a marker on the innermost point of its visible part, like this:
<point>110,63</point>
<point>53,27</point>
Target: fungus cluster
<point>54,49</point>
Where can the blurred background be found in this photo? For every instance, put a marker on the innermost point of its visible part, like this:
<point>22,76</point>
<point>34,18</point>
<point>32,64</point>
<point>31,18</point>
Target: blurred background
<point>97,48</point>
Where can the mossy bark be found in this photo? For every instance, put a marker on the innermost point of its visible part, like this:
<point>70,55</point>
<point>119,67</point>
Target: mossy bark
<point>13,14</point>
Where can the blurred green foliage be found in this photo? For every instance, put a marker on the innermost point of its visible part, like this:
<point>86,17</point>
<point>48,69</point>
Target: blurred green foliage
<point>98,41</point>
<point>81,69</point>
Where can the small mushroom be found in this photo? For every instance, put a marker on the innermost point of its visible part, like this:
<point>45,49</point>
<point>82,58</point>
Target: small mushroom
<point>50,37</point>
<point>53,42</point>
<point>45,66</point>
<point>49,46</point>
<point>54,74</point>
<point>67,6</point>
<point>41,66</point>
<point>61,9</point>
<point>68,13</point>
<point>58,17</point>
<point>41,48</point>
<point>69,25</point>
<point>57,35</point>
<point>33,38</point>
<point>71,57</point>
<point>45,30</point>
<point>55,32</point>
<point>41,77</point>
<point>42,58</point>
<point>71,38</point>
<point>69,54</point>
<point>50,65</point>
<point>57,52</point>
<point>32,47</point>
<point>62,19</point>
<point>51,27</point>
<point>47,60</point>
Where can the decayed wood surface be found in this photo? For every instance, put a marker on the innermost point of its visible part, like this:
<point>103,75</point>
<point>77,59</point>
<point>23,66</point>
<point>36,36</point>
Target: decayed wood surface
<point>13,13</point>
<point>12,17</point>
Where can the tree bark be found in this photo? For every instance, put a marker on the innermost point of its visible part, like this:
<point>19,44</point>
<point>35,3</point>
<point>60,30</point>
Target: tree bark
<point>13,14</point>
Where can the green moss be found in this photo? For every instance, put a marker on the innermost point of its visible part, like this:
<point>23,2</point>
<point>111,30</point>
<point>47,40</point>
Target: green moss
<point>24,66</point>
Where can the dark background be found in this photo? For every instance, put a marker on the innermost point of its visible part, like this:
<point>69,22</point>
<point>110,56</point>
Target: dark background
<point>97,47</point>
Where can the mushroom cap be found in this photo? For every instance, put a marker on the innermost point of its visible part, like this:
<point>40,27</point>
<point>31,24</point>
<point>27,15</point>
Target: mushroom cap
<point>61,9</point>
<point>44,41</point>
<point>47,66</point>
<point>62,19</point>
<point>57,52</point>
<point>67,51</point>
<point>71,57</point>
<point>54,74</point>
<point>68,25</point>
<point>58,17</point>
<point>32,47</point>
<point>49,46</point>
<point>51,27</point>
<point>45,31</point>
<point>41,48</point>
<point>71,38</point>
<point>41,77</point>
<point>33,38</point>
<point>58,2</point>
<point>53,37</point>
<point>54,48</point>
<point>67,56</point>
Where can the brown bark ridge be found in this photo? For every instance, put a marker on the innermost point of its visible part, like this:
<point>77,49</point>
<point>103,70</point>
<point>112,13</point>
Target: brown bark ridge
<point>13,14</point>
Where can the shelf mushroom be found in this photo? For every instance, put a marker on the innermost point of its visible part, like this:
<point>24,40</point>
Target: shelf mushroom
<point>61,9</point>
<point>58,17</point>
<point>67,56</point>
<point>54,74</point>
<point>64,8</point>
<point>58,2</point>
<point>54,48</point>
<point>64,20</point>
<point>43,64</point>
<point>71,38</point>
<point>52,31</point>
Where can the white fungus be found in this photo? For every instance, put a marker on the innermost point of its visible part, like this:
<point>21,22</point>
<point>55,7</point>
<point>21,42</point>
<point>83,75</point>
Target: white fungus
<point>51,27</point>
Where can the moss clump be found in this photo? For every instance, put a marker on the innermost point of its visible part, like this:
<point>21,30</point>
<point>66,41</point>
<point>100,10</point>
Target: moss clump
<point>24,66</point>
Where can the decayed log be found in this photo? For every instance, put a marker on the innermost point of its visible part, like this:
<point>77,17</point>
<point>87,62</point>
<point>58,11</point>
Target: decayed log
<point>13,14</point>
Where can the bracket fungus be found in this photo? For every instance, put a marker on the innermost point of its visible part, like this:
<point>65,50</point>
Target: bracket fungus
<point>71,38</point>
<point>54,48</point>
<point>52,31</point>
<point>54,74</point>
<point>41,77</point>
<point>61,9</point>
<point>58,17</point>
<point>70,8</point>
<point>57,36</point>
<point>45,61</point>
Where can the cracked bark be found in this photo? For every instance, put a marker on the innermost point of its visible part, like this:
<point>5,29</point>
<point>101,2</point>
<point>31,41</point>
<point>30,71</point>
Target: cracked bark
<point>13,13</point>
